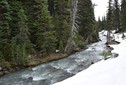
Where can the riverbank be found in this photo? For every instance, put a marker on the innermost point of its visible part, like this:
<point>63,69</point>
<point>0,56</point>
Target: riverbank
<point>56,71</point>
<point>105,72</point>
<point>8,68</point>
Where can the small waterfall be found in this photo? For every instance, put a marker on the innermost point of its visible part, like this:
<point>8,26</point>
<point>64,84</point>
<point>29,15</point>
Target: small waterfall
<point>71,45</point>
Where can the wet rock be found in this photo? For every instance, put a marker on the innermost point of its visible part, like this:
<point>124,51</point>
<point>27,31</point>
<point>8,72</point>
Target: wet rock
<point>6,72</point>
<point>107,58</point>
<point>92,63</point>
<point>1,74</point>
<point>30,79</point>
<point>0,68</point>
<point>123,36</point>
<point>109,48</point>
<point>112,42</point>
<point>114,55</point>
<point>41,82</point>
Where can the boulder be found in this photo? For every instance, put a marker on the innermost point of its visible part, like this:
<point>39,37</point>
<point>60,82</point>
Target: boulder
<point>0,68</point>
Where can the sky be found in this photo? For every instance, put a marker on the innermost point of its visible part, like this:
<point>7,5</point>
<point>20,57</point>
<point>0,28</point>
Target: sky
<point>101,8</point>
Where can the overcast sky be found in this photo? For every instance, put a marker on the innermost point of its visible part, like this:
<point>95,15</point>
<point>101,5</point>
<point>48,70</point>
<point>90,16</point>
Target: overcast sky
<point>100,9</point>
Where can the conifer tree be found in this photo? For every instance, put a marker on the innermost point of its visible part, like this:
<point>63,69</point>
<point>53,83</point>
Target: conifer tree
<point>62,18</point>
<point>109,16</point>
<point>116,18</point>
<point>123,15</point>
<point>86,21</point>
<point>40,25</point>
<point>5,29</point>
<point>104,23</point>
<point>51,7</point>
<point>109,21</point>
<point>46,39</point>
<point>21,45</point>
<point>14,7</point>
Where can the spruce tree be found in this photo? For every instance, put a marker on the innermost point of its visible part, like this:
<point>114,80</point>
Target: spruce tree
<point>51,7</point>
<point>99,24</point>
<point>5,29</point>
<point>14,7</point>
<point>104,23</point>
<point>40,26</point>
<point>116,20</point>
<point>46,39</point>
<point>109,16</point>
<point>86,21</point>
<point>123,15</point>
<point>109,21</point>
<point>21,45</point>
<point>62,22</point>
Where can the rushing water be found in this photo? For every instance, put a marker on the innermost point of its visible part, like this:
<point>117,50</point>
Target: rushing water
<point>49,73</point>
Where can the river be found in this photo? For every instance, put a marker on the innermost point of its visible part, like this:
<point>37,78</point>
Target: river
<point>50,73</point>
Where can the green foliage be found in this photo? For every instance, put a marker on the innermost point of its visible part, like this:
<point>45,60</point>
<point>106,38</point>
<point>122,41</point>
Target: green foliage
<point>101,24</point>
<point>21,45</point>
<point>5,29</point>
<point>105,54</point>
<point>49,44</point>
<point>113,16</point>
<point>79,41</point>
<point>109,16</point>
<point>41,26</point>
<point>116,15</point>
<point>123,15</point>
<point>1,57</point>
<point>62,24</point>
<point>19,55</point>
<point>86,21</point>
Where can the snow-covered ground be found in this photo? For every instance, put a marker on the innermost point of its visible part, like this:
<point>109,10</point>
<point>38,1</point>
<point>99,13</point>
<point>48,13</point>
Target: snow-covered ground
<point>105,72</point>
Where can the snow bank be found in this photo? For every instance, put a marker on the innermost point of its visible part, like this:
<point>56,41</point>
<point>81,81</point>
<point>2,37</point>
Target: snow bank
<point>109,72</point>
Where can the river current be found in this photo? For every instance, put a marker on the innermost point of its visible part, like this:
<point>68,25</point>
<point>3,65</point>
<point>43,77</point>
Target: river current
<point>50,73</point>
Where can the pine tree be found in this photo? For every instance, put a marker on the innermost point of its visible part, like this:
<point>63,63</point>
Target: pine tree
<point>104,23</point>
<point>109,21</point>
<point>62,18</point>
<point>40,25</point>
<point>21,45</point>
<point>46,39</point>
<point>116,20</point>
<point>109,16</point>
<point>14,7</point>
<point>32,10</point>
<point>99,24</point>
<point>123,15</point>
<point>5,29</point>
<point>86,21</point>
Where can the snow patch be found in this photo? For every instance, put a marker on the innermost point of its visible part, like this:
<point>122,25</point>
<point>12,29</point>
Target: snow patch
<point>109,72</point>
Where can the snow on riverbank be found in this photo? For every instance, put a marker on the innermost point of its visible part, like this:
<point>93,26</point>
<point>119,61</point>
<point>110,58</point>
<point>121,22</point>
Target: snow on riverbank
<point>105,72</point>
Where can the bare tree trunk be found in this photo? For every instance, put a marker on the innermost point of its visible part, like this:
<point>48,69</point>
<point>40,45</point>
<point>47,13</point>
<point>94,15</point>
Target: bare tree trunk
<point>108,36</point>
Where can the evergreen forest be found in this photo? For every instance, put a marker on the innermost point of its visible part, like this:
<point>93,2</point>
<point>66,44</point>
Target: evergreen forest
<point>37,31</point>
